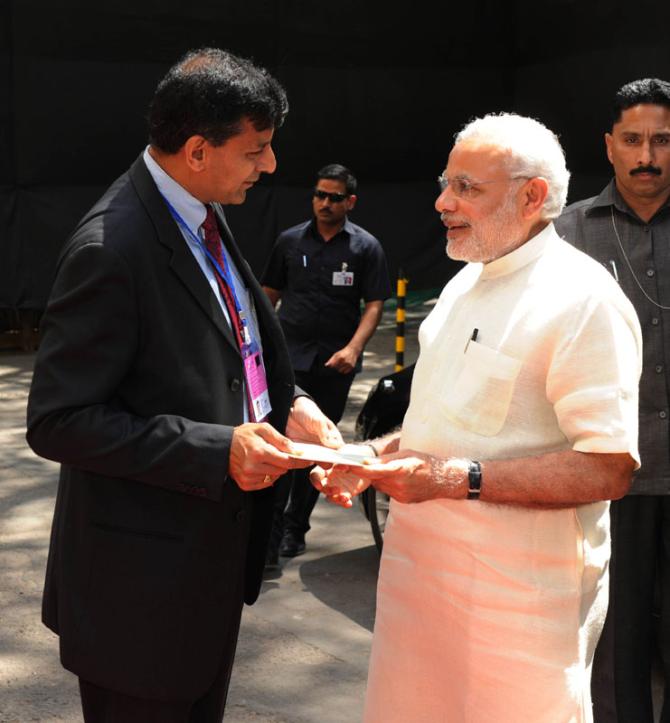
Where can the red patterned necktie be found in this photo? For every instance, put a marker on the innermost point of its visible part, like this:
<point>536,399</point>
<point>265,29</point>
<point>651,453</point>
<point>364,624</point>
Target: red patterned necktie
<point>213,245</point>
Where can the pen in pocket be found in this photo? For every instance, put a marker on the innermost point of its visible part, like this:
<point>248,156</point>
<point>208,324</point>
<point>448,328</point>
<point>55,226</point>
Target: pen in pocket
<point>614,273</point>
<point>475,331</point>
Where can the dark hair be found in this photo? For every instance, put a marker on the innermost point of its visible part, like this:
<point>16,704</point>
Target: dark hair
<point>208,93</point>
<point>651,91</point>
<point>336,172</point>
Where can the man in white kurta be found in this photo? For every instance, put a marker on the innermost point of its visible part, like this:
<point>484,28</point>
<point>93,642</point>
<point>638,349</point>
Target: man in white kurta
<point>489,608</point>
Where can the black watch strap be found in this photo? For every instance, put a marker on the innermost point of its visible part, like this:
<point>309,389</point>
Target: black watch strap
<point>474,480</point>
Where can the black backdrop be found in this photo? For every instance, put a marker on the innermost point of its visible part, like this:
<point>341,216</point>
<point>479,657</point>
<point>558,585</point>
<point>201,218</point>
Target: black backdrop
<point>378,88</point>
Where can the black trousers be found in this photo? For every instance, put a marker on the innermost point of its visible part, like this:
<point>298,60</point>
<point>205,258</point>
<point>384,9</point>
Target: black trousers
<point>330,391</point>
<point>633,635</point>
<point>100,705</point>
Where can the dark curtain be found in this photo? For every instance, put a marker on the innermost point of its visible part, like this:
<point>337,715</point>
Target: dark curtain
<point>379,89</point>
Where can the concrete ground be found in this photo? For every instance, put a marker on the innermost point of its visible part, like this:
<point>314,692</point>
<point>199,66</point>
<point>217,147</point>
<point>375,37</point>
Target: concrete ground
<point>303,648</point>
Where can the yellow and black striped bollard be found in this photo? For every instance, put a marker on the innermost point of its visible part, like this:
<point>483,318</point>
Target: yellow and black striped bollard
<point>401,293</point>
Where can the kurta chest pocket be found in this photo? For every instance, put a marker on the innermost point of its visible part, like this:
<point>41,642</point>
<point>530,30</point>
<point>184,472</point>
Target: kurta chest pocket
<point>480,396</point>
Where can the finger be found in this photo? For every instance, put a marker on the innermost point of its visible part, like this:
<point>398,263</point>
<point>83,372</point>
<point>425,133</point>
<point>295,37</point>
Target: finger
<point>380,470</point>
<point>342,499</point>
<point>262,463</point>
<point>298,463</point>
<point>318,478</point>
<point>330,435</point>
<point>273,438</point>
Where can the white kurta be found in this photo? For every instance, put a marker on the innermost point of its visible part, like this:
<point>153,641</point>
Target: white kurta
<point>490,613</point>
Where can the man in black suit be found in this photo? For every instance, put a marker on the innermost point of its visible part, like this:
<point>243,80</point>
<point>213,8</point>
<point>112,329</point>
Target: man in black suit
<point>162,385</point>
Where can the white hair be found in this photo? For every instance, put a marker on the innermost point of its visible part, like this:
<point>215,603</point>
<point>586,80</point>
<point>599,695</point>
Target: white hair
<point>534,151</point>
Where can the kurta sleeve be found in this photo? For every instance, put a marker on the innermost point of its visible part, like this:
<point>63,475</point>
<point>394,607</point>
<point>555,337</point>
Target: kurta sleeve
<point>593,379</point>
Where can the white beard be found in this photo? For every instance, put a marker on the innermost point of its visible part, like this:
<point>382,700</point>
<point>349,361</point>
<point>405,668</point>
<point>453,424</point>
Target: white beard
<point>494,237</point>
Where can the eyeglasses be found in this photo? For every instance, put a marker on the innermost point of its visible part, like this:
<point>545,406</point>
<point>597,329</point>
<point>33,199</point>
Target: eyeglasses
<point>463,188</point>
<point>332,197</point>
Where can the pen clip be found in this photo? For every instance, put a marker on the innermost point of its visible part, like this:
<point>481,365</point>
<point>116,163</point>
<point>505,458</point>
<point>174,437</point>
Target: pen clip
<point>475,332</point>
<point>614,272</point>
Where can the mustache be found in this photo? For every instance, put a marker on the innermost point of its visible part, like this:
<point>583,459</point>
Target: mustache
<point>646,169</point>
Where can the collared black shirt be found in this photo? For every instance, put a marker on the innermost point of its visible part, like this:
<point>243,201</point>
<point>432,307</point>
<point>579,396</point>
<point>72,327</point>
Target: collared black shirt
<point>317,316</point>
<point>592,226</point>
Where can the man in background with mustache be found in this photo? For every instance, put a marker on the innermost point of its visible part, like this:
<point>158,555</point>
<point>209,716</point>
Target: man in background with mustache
<point>627,229</point>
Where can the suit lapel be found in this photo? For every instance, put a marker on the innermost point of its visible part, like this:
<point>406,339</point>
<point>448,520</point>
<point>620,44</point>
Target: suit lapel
<point>182,262</point>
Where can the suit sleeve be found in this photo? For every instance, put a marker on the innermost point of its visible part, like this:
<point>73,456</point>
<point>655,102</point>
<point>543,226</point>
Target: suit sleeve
<point>77,412</point>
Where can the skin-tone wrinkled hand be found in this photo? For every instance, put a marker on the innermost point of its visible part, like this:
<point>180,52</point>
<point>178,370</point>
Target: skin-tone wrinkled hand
<point>343,360</point>
<point>339,484</point>
<point>307,423</point>
<point>258,455</point>
<point>407,475</point>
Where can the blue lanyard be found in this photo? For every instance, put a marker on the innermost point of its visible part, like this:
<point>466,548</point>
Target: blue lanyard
<point>223,272</point>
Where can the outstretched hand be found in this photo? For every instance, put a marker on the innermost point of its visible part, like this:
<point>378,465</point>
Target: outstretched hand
<point>410,476</point>
<point>307,423</point>
<point>258,455</point>
<point>407,476</point>
<point>338,484</point>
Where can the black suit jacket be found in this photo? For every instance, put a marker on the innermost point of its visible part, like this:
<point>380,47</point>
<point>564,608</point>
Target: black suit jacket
<point>136,390</point>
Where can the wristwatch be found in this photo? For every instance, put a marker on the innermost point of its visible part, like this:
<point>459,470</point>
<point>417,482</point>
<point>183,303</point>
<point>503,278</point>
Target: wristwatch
<point>474,480</point>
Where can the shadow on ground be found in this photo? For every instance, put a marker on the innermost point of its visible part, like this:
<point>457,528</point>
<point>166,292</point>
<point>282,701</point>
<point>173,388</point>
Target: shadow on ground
<point>331,580</point>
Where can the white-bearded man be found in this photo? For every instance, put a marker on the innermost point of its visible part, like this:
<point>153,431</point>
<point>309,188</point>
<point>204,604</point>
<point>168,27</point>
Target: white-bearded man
<point>522,424</point>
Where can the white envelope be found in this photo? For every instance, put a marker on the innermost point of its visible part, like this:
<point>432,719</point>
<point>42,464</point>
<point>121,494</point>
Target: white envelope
<point>317,453</point>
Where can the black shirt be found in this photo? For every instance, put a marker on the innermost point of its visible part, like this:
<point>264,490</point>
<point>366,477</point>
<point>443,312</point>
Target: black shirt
<point>318,316</point>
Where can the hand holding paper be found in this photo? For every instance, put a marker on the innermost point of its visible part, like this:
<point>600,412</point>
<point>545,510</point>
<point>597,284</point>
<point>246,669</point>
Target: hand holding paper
<point>307,423</point>
<point>342,482</point>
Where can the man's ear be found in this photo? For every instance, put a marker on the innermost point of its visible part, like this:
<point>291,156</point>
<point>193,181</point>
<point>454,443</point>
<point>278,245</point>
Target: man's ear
<point>608,145</point>
<point>534,193</point>
<point>195,153</point>
<point>351,201</point>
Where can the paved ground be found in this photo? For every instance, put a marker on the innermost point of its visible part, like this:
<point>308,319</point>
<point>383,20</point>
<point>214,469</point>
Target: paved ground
<point>302,655</point>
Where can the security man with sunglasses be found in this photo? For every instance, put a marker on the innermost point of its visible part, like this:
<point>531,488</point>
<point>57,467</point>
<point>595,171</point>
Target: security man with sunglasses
<point>321,270</point>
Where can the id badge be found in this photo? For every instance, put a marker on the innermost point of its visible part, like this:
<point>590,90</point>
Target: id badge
<point>257,383</point>
<point>343,278</point>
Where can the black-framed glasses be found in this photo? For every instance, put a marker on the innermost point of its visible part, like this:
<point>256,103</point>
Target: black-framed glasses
<point>332,197</point>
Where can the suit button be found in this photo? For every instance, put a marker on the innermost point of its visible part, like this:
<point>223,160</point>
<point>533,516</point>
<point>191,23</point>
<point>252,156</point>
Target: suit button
<point>240,515</point>
<point>235,384</point>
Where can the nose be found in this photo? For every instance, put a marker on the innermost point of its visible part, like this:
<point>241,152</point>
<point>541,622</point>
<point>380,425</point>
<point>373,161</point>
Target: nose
<point>267,160</point>
<point>446,201</point>
<point>646,153</point>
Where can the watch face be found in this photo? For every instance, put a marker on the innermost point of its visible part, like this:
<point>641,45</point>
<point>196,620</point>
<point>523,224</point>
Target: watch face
<point>474,480</point>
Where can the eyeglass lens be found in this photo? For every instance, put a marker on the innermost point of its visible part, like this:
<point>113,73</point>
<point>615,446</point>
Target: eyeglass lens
<point>332,197</point>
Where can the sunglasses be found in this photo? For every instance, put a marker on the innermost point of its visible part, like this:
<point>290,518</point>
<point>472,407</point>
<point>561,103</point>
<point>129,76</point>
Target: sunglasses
<point>332,197</point>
